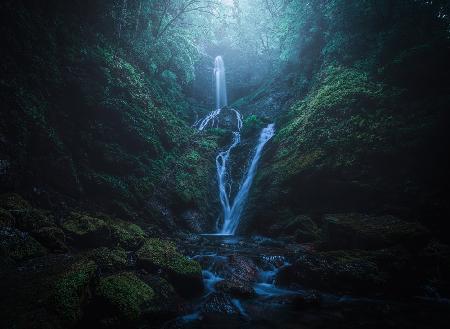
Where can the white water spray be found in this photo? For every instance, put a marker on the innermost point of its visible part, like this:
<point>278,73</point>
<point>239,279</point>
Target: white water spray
<point>231,211</point>
<point>221,87</point>
<point>232,215</point>
<point>221,97</point>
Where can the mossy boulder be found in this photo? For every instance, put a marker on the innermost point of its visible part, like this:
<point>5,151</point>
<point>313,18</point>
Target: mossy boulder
<point>126,296</point>
<point>19,245</point>
<point>13,202</point>
<point>99,231</point>
<point>87,231</point>
<point>185,274</point>
<point>26,217</point>
<point>358,231</point>
<point>6,219</point>
<point>109,260</point>
<point>52,238</point>
<point>126,235</point>
<point>166,304</point>
<point>46,292</point>
<point>71,290</point>
<point>33,219</point>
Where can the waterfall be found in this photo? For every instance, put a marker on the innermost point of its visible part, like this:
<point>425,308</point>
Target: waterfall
<point>231,210</point>
<point>221,87</point>
<point>233,214</point>
<point>221,96</point>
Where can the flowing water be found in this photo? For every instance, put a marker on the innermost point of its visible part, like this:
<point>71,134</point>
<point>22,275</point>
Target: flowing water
<point>232,210</point>
<point>233,214</point>
<point>221,86</point>
<point>252,265</point>
<point>240,274</point>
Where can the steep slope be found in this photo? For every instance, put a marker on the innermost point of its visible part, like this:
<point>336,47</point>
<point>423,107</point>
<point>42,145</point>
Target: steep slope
<point>365,127</point>
<point>83,123</point>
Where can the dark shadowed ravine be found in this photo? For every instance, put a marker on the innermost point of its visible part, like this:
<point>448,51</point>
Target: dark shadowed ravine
<point>249,164</point>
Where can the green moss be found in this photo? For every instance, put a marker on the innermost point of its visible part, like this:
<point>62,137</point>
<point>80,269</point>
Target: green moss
<point>124,234</point>
<point>109,259</point>
<point>13,202</point>
<point>71,289</point>
<point>52,238</point>
<point>33,219</point>
<point>80,225</point>
<point>342,86</point>
<point>19,245</point>
<point>103,231</point>
<point>6,219</point>
<point>160,254</point>
<point>127,294</point>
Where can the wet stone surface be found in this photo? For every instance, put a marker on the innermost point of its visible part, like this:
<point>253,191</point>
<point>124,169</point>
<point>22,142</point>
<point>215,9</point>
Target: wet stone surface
<point>241,291</point>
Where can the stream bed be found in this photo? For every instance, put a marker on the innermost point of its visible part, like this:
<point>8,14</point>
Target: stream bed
<point>241,291</point>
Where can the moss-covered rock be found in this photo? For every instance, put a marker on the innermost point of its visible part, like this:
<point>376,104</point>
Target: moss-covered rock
<point>87,231</point>
<point>13,202</point>
<point>166,300</point>
<point>71,290</point>
<point>26,218</point>
<point>126,296</point>
<point>19,245</point>
<point>184,273</point>
<point>46,292</point>
<point>127,235</point>
<point>6,219</point>
<point>109,259</point>
<point>52,238</point>
<point>33,219</point>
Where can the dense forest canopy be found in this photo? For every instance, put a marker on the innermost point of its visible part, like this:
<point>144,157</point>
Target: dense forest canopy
<point>224,163</point>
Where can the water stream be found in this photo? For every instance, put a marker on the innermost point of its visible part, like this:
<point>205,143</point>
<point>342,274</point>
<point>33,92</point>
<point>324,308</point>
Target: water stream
<point>232,210</point>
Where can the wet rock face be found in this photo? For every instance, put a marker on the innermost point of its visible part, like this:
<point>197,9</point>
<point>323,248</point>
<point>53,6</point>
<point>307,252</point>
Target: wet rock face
<point>195,221</point>
<point>236,288</point>
<point>243,269</point>
<point>218,307</point>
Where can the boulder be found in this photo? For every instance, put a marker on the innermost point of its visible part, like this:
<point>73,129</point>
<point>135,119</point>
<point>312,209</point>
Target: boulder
<point>185,274</point>
<point>70,291</point>
<point>46,292</point>
<point>167,303</point>
<point>109,260</point>
<point>52,238</point>
<point>126,297</point>
<point>18,245</point>
<point>359,231</point>
<point>235,288</point>
<point>13,202</point>
<point>219,307</point>
<point>86,231</point>
<point>6,219</point>
<point>26,218</point>
<point>242,269</point>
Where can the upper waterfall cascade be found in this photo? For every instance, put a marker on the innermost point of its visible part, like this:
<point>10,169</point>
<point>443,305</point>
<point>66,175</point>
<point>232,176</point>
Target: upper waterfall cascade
<point>232,210</point>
